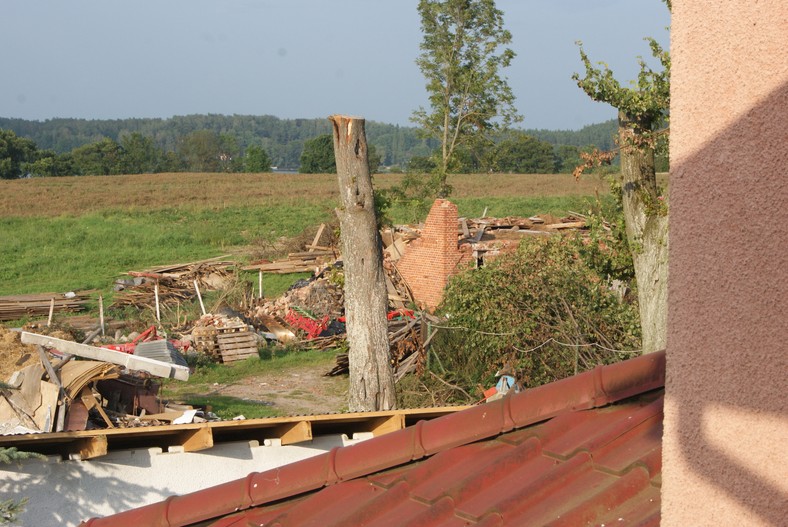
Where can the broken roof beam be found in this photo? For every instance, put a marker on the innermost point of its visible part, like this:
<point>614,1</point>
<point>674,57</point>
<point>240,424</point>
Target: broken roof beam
<point>130,362</point>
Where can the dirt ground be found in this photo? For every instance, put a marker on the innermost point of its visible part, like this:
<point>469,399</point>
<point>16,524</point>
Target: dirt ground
<point>297,391</point>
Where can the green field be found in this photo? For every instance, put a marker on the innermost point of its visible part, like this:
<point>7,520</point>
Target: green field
<point>65,234</point>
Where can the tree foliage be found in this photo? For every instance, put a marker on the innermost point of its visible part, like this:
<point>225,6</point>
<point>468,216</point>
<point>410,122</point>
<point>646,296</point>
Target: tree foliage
<point>643,113</point>
<point>463,53</point>
<point>520,153</point>
<point>14,153</point>
<point>544,310</point>
<point>318,156</point>
<point>256,159</point>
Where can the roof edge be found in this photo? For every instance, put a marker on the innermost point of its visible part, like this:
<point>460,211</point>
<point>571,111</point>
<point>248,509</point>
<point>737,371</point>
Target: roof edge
<point>598,387</point>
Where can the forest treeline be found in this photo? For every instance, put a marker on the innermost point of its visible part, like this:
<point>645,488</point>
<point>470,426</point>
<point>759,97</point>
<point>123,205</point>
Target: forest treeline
<point>239,143</point>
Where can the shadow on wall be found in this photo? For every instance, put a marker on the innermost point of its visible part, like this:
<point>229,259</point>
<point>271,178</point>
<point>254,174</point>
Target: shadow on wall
<point>61,494</point>
<point>728,297</point>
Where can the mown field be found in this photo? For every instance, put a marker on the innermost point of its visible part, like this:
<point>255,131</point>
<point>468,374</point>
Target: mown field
<point>61,234</point>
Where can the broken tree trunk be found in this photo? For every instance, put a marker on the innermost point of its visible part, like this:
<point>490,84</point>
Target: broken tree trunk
<point>371,376</point>
<point>647,232</point>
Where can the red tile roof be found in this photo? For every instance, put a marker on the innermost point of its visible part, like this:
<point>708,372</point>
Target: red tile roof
<point>559,454</point>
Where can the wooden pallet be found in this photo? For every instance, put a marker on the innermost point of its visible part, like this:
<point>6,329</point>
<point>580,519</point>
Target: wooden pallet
<point>204,340</point>
<point>237,345</point>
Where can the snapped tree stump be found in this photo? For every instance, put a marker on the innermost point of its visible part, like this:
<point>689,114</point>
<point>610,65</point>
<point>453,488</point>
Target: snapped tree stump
<point>366,299</point>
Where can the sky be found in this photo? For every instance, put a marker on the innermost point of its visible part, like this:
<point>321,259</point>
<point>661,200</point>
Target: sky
<point>112,59</point>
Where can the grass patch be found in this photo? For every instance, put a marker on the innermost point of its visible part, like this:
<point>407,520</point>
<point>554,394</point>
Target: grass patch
<point>89,252</point>
<point>228,407</point>
<point>63,234</point>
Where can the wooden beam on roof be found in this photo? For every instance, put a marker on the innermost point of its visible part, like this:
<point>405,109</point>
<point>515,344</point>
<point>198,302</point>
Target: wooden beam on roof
<point>383,425</point>
<point>290,433</point>
<point>132,362</point>
<point>88,447</point>
<point>195,439</point>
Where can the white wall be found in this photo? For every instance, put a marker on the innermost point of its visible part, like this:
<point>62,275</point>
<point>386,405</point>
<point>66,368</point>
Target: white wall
<point>68,492</point>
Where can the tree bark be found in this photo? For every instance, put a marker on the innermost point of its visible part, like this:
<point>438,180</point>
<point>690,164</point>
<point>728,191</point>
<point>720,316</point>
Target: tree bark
<point>647,232</point>
<point>366,299</point>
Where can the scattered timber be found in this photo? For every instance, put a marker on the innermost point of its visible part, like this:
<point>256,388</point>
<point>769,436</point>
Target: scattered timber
<point>19,306</point>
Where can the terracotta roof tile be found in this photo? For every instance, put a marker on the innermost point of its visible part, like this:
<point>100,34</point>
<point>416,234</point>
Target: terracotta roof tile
<point>560,454</point>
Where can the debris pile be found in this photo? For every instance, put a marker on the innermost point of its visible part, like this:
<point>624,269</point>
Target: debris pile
<point>60,391</point>
<point>173,284</point>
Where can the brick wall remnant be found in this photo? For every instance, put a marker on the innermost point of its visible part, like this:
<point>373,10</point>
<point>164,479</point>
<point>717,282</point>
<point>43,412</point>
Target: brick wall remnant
<point>429,261</point>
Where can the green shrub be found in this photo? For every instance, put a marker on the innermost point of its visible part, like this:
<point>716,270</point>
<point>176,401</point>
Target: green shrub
<point>542,310</point>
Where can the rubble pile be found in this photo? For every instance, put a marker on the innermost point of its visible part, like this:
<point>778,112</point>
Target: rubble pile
<point>173,284</point>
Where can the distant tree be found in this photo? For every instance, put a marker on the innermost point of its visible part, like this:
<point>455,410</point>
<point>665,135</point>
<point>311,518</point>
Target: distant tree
<point>317,157</point>
<point>461,61</point>
<point>522,154</point>
<point>102,158</point>
<point>140,154</point>
<point>373,159</point>
<point>567,157</point>
<point>14,153</point>
<point>421,164</point>
<point>201,151</point>
<point>642,114</point>
<point>256,159</point>
<point>50,164</point>
<point>229,153</point>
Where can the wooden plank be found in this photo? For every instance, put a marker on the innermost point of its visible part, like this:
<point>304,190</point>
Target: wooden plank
<point>195,440</point>
<point>294,432</point>
<point>45,415</point>
<point>239,351</point>
<point>317,236</point>
<point>243,344</point>
<point>238,356</point>
<point>567,225</point>
<point>131,362</point>
<point>384,425</point>
<point>89,447</point>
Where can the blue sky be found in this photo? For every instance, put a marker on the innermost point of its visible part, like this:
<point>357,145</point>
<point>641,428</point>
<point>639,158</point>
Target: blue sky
<point>107,59</point>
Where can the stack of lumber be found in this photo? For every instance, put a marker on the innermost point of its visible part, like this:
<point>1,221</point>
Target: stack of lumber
<point>468,227</point>
<point>19,306</point>
<point>298,262</point>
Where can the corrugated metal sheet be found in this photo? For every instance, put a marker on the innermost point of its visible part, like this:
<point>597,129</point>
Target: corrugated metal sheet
<point>559,454</point>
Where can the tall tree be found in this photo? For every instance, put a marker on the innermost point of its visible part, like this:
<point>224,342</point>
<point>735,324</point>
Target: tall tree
<point>642,115</point>
<point>102,158</point>
<point>201,151</point>
<point>140,154</point>
<point>256,159</point>
<point>317,157</point>
<point>523,154</point>
<point>462,57</point>
<point>14,153</point>
<point>366,300</point>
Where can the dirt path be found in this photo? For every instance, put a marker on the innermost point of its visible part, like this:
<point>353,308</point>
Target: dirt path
<point>297,391</point>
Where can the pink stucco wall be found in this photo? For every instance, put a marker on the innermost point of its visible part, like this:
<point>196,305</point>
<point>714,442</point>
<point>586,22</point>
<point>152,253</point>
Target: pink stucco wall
<point>726,411</point>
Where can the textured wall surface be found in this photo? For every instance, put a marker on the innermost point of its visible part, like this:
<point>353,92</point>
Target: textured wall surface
<point>726,426</point>
<point>429,261</point>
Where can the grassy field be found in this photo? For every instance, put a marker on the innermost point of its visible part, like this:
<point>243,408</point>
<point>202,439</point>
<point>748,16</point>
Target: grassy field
<point>60,234</point>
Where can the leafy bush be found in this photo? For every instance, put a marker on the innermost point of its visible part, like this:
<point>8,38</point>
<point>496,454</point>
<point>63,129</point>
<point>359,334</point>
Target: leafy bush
<point>542,310</point>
